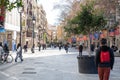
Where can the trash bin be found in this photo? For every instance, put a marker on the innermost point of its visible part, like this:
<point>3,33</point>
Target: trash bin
<point>86,64</point>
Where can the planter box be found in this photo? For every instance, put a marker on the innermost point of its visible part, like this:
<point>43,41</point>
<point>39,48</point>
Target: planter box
<point>116,54</point>
<point>86,64</point>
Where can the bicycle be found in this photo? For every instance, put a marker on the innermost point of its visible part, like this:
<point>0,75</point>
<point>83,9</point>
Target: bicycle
<point>6,58</point>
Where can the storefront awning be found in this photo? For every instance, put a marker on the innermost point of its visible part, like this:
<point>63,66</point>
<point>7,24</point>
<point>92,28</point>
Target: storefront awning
<point>2,30</point>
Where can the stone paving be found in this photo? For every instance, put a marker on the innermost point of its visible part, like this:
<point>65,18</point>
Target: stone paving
<point>51,64</point>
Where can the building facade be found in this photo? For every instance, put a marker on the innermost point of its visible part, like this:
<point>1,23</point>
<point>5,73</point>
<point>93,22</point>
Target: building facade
<point>42,25</point>
<point>11,36</point>
<point>36,10</point>
<point>12,27</point>
<point>60,33</point>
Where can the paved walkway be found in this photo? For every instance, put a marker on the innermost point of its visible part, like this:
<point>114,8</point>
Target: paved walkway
<point>50,64</point>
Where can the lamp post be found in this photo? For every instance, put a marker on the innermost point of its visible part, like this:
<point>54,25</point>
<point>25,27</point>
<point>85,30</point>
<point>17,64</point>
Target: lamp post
<point>20,10</point>
<point>51,36</point>
<point>39,33</point>
<point>39,38</point>
<point>33,19</point>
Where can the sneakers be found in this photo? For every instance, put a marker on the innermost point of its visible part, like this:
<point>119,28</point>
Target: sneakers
<point>15,60</point>
<point>21,60</point>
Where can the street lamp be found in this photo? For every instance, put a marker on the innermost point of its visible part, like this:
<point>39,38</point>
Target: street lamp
<point>20,10</point>
<point>39,33</point>
<point>34,20</point>
<point>51,36</point>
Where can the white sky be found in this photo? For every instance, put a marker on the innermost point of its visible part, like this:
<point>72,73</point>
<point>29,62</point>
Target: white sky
<point>50,13</point>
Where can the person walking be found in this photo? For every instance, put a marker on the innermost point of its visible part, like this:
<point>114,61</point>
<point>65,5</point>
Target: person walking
<point>92,47</point>
<point>66,48</point>
<point>25,48</point>
<point>60,46</point>
<point>33,48</point>
<point>19,52</point>
<point>39,46</point>
<point>80,49</point>
<point>6,51</point>
<point>104,60</point>
<point>115,48</point>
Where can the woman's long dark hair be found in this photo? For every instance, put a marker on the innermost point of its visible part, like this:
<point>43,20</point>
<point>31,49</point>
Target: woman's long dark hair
<point>18,45</point>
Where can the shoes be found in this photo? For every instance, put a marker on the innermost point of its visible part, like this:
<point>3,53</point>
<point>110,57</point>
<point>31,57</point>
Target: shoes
<point>5,60</point>
<point>21,60</point>
<point>15,60</point>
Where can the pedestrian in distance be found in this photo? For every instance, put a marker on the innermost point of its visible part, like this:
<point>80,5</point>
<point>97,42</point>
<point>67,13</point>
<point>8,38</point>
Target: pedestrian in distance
<point>25,48</point>
<point>66,48</point>
<point>43,46</point>
<point>39,46</point>
<point>60,46</point>
<point>19,52</point>
<point>92,48</point>
<point>114,48</point>
<point>80,49</point>
<point>104,60</point>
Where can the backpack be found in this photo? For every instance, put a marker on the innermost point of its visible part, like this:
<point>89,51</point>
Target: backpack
<point>104,56</point>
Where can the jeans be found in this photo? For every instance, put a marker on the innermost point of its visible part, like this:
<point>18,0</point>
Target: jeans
<point>80,53</point>
<point>19,54</point>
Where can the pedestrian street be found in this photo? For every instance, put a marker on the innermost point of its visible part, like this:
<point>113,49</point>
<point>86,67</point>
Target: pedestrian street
<point>50,64</point>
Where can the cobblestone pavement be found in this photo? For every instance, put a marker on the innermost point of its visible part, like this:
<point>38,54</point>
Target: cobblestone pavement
<point>50,64</point>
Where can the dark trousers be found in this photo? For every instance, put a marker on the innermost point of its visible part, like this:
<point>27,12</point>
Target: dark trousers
<point>80,53</point>
<point>39,48</point>
<point>104,73</point>
<point>66,50</point>
<point>18,55</point>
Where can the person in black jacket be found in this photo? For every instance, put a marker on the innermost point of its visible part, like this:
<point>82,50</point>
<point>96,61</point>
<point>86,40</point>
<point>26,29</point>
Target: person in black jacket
<point>6,51</point>
<point>92,48</point>
<point>66,48</point>
<point>104,67</point>
<point>80,49</point>
<point>39,46</point>
<point>114,48</point>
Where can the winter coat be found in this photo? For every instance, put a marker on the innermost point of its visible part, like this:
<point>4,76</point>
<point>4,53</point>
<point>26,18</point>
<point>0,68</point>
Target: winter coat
<point>92,47</point>
<point>80,48</point>
<point>97,57</point>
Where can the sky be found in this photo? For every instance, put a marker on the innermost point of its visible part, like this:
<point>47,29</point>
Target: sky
<point>50,13</point>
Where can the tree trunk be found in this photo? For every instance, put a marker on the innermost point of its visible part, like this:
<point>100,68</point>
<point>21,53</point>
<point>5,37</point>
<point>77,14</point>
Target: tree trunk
<point>90,38</point>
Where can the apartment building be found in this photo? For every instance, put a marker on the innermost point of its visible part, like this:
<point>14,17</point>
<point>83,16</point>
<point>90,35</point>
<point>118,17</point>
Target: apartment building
<point>42,25</point>
<point>11,35</point>
<point>36,10</point>
<point>60,33</point>
<point>12,28</point>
